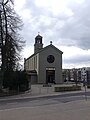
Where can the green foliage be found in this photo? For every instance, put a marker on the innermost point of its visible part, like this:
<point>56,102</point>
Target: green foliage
<point>67,88</point>
<point>16,80</point>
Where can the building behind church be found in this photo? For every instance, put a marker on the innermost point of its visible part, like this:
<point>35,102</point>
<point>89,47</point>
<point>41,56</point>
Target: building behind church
<point>45,65</point>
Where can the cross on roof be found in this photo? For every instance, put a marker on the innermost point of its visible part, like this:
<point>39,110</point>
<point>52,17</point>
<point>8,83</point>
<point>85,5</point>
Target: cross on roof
<point>50,42</point>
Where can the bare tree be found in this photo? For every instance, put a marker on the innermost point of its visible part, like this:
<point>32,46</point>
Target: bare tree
<point>12,43</point>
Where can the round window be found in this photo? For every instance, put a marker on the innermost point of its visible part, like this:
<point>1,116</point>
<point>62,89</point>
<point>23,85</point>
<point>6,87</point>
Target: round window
<point>50,58</point>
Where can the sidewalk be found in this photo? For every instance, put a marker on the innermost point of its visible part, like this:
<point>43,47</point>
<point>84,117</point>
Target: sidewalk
<point>39,91</point>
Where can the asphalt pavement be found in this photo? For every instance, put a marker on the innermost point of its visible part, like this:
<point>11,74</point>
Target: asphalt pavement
<point>50,109</point>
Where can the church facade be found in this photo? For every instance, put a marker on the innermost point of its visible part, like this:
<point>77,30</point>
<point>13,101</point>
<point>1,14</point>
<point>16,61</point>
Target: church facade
<point>45,65</point>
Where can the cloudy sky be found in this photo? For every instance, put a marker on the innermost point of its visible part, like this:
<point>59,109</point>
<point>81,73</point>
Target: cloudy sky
<point>64,22</point>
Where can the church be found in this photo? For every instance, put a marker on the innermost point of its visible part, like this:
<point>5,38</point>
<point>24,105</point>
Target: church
<point>45,65</point>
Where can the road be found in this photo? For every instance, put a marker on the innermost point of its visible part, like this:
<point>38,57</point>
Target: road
<point>40,101</point>
<point>61,107</point>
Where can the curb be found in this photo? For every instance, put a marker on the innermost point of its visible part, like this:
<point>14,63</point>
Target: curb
<point>30,98</point>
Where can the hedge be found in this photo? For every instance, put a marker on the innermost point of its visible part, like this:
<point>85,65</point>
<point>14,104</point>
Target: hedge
<point>88,86</point>
<point>67,88</point>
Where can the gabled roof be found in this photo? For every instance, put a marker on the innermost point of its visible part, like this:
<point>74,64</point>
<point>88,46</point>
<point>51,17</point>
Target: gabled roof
<point>45,49</point>
<point>52,47</point>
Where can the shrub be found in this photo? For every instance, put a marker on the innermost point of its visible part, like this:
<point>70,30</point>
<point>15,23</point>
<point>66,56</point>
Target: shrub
<point>67,88</point>
<point>16,80</point>
<point>88,86</point>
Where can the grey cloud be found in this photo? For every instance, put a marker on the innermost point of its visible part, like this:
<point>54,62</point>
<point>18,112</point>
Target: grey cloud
<point>77,59</point>
<point>77,27</point>
<point>63,29</point>
<point>50,31</point>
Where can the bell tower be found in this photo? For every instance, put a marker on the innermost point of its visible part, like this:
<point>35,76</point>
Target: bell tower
<point>38,43</point>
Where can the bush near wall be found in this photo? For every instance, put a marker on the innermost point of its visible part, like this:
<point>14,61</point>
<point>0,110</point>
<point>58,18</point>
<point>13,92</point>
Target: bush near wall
<point>67,88</point>
<point>10,93</point>
<point>88,86</point>
<point>16,80</point>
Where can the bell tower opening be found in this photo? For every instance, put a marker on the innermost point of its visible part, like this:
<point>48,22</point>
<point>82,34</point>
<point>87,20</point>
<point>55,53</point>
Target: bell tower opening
<point>38,43</point>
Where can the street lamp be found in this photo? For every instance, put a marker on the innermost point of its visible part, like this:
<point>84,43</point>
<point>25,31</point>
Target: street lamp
<point>85,81</point>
